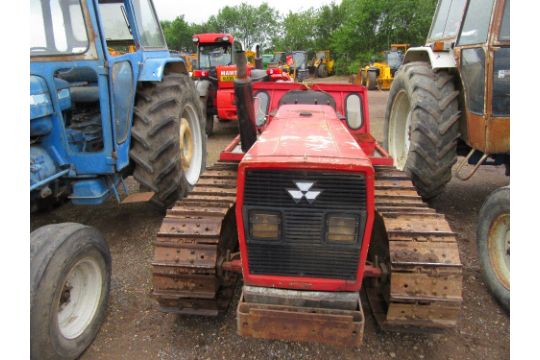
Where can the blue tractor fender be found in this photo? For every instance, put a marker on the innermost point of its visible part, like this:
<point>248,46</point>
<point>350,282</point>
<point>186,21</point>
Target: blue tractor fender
<point>153,68</point>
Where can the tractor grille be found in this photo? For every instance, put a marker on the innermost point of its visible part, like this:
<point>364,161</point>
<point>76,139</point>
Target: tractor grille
<point>303,249</point>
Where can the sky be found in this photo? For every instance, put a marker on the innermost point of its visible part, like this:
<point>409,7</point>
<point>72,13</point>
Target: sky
<point>198,11</point>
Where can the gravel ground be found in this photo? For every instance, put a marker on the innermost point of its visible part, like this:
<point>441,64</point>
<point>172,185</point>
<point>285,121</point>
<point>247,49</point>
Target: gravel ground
<point>135,329</point>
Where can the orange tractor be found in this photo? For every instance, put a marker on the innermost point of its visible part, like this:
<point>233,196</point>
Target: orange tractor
<point>215,72</point>
<point>452,97</point>
<point>306,206</point>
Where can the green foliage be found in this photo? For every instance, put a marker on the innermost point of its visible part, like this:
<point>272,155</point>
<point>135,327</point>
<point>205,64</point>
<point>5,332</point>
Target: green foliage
<point>354,30</point>
<point>249,24</point>
<point>178,33</point>
<point>297,31</point>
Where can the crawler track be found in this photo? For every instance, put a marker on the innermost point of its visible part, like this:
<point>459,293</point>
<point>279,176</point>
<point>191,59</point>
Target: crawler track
<point>188,251</point>
<point>421,290</point>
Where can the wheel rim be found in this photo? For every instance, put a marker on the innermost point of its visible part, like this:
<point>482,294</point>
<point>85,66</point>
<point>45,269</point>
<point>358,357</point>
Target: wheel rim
<point>190,141</point>
<point>399,129</point>
<point>80,297</point>
<point>186,144</point>
<point>499,248</point>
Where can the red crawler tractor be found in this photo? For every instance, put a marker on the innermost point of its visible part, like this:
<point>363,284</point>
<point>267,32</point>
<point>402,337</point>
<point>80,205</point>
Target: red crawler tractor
<point>306,206</point>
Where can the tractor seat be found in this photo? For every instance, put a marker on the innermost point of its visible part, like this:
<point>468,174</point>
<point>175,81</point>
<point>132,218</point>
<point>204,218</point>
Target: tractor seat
<point>85,94</point>
<point>83,86</point>
<point>309,97</point>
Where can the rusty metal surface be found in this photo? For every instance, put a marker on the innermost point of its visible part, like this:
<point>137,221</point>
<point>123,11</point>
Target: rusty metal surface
<point>424,291</point>
<point>309,324</point>
<point>301,298</point>
<point>138,197</point>
<point>188,253</point>
<point>486,132</point>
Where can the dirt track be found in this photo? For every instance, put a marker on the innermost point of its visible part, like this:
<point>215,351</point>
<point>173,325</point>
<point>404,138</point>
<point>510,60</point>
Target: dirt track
<point>135,329</point>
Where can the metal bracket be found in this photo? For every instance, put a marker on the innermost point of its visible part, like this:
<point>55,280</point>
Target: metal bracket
<point>473,171</point>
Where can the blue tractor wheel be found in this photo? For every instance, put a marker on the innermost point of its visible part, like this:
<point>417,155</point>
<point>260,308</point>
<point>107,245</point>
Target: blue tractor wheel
<point>168,140</point>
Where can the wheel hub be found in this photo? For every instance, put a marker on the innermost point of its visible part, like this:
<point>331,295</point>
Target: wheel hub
<point>79,300</point>
<point>191,151</point>
<point>399,131</point>
<point>186,144</point>
<point>499,248</point>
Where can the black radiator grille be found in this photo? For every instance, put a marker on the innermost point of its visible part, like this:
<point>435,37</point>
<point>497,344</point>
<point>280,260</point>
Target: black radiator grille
<point>303,249</point>
<point>340,190</point>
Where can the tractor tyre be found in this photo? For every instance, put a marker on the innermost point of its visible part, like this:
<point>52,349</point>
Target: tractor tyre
<point>321,71</point>
<point>209,117</point>
<point>493,241</point>
<point>70,276</point>
<point>421,126</point>
<point>371,80</point>
<point>168,144</point>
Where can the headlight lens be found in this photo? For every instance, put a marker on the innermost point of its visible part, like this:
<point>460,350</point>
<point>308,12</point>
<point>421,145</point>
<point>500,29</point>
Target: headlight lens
<point>342,228</point>
<point>264,225</point>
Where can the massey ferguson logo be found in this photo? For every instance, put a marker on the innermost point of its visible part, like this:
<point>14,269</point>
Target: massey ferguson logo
<point>304,190</point>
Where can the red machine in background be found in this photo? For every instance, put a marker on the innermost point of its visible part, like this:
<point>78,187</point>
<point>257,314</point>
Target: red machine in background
<point>215,73</point>
<point>306,206</point>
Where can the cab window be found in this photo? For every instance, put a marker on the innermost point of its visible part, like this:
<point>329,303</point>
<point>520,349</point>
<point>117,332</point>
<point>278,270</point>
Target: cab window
<point>476,23</point>
<point>447,19</point>
<point>116,27</point>
<point>58,28</point>
<point>501,82</point>
<point>504,32</point>
<point>472,72</point>
<point>149,28</point>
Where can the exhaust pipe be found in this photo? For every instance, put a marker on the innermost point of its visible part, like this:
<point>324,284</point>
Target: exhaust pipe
<point>243,93</point>
<point>258,59</point>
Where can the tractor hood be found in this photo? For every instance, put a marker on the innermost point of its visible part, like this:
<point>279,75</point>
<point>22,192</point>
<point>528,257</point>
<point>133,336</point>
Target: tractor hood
<point>40,101</point>
<point>307,134</point>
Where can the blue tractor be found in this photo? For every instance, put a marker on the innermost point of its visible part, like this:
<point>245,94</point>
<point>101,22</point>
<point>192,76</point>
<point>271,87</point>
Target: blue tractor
<point>107,101</point>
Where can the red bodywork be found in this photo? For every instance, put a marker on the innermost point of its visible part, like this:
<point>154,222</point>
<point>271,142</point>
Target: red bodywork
<point>222,93</point>
<point>362,135</point>
<point>321,141</point>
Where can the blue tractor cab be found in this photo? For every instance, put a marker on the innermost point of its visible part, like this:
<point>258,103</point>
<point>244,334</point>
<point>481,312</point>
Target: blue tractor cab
<point>108,100</point>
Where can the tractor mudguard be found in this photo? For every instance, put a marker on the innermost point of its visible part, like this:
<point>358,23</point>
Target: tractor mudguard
<point>154,68</point>
<point>202,87</point>
<point>438,60</point>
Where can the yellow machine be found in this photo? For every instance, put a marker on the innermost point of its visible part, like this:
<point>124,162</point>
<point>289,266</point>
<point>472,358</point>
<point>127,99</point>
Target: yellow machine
<point>250,55</point>
<point>322,64</point>
<point>188,60</point>
<point>379,75</point>
<point>194,59</point>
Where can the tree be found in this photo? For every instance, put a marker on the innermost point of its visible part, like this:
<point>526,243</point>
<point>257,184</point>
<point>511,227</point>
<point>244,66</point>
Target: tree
<point>297,31</point>
<point>249,24</point>
<point>370,26</point>
<point>355,30</point>
<point>328,19</point>
<point>178,33</point>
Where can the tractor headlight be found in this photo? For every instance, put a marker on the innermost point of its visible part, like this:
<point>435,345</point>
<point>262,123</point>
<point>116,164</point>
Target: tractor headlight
<point>264,225</point>
<point>342,228</point>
